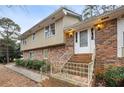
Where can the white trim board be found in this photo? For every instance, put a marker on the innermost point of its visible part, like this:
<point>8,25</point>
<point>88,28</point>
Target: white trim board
<point>120,31</point>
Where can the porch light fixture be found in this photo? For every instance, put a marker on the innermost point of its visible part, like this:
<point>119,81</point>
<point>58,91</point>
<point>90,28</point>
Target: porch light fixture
<point>70,32</point>
<point>99,26</point>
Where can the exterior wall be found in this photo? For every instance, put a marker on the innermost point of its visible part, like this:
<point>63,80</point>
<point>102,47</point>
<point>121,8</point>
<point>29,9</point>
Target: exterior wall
<point>106,46</point>
<point>57,54</point>
<point>69,20</point>
<point>41,41</point>
<point>58,38</point>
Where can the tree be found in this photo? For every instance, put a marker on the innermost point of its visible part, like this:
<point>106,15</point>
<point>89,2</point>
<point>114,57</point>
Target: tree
<point>13,50</point>
<point>9,30</point>
<point>95,10</point>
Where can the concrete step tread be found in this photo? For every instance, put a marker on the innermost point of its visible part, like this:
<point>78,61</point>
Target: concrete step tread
<point>73,79</point>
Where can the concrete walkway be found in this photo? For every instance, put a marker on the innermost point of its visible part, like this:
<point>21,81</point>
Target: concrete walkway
<point>9,78</point>
<point>28,73</point>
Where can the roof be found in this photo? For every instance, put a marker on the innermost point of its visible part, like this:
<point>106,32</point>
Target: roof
<point>119,12</point>
<point>59,13</point>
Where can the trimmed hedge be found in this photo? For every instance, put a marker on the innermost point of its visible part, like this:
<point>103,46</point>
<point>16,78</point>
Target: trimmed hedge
<point>112,77</point>
<point>33,64</point>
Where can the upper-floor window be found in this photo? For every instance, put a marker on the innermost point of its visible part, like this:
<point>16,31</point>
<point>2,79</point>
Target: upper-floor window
<point>24,42</point>
<point>50,30</point>
<point>46,31</point>
<point>33,36</point>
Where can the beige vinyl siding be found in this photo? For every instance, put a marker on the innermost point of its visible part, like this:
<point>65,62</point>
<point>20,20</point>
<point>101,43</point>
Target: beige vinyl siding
<point>70,20</point>
<point>41,41</point>
<point>58,38</point>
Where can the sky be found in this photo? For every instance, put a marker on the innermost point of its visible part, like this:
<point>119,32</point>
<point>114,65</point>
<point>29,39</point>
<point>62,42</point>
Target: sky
<point>28,16</point>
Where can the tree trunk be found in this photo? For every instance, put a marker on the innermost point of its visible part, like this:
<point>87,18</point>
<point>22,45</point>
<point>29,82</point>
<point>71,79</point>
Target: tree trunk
<point>7,54</point>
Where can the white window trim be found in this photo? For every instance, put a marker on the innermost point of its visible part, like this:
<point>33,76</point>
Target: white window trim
<point>120,41</point>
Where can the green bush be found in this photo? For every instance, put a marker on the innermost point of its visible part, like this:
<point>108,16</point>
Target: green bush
<point>32,64</point>
<point>112,76</point>
<point>19,62</point>
<point>37,64</point>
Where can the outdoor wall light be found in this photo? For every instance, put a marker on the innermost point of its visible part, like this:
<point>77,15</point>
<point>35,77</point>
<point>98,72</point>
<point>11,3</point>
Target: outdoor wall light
<point>99,26</point>
<point>70,32</point>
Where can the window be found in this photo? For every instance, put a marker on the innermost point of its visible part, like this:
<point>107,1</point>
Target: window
<point>83,38</point>
<point>76,37</point>
<point>123,39</point>
<point>45,53</point>
<point>47,31</point>
<point>92,34</point>
<point>33,36</point>
<point>31,55</point>
<point>24,42</point>
<point>50,30</point>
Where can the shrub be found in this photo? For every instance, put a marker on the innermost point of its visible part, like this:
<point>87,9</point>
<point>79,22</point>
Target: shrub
<point>37,64</point>
<point>29,64</point>
<point>113,76</point>
<point>19,62</point>
<point>32,64</point>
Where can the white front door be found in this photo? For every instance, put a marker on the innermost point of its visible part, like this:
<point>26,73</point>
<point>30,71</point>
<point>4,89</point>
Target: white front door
<point>84,41</point>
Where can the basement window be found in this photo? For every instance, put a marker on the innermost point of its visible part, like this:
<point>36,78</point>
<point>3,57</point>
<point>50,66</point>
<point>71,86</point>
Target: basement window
<point>31,54</point>
<point>45,53</point>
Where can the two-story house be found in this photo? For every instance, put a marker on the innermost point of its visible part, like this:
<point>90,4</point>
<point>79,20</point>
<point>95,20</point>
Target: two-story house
<point>73,46</point>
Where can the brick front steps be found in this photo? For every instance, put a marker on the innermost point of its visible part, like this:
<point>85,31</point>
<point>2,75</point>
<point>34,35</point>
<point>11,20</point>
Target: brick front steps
<point>81,58</point>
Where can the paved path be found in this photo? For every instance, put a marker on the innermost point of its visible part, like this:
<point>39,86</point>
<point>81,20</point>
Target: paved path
<point>9,78</point>
<point>28,73</point>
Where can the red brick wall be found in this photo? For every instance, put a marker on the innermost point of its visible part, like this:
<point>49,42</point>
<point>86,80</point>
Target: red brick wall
<point>106,46</point>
